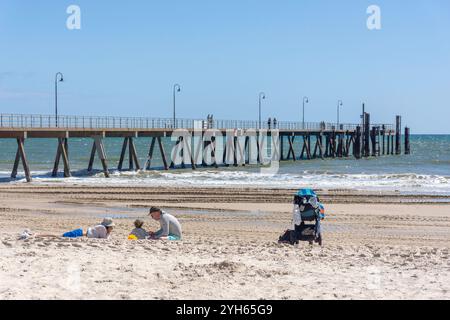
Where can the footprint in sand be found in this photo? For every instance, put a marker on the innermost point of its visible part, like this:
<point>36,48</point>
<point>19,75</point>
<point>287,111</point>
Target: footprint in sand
<point>7,244</point>
<point>77,245</point>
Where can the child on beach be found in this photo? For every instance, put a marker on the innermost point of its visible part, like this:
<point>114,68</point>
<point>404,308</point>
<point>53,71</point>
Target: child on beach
<point>138,232</point>
<point>101,231</point>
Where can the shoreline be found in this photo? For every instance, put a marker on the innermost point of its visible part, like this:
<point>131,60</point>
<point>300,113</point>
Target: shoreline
<point>221,194</point>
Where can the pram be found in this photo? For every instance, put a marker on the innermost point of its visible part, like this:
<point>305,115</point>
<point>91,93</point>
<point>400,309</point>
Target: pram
<point>307,217</point>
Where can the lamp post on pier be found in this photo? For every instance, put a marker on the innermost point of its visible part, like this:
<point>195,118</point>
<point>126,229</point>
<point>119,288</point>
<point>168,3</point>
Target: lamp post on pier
<point>176,88</point>
<point>305,100</point>
<point>340,104</point>
<point>262,96</point>
<point>58,78</point>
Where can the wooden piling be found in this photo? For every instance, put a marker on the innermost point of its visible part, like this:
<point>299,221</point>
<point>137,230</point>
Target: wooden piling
<point>281,147</point>
<point>163,153</point>
<point>374,136</point>
<point>319,146</point>
<point>357,143</point>
<point>327,145</point>
<point>407,142</point>
<point>388,145</point>
<point>291,148</point>
<point>62,151</point>
<point>134,155</point>
<point>306,147</point>
<point>175,152</point>
<point>92,157</point>
<point>213,151</point>
<point>99,148</point>
<point>133,160</point>
<point>398,135</point>
<point>122,154</point>
<point>340,145</point>
<point>392,144</point>
<point>188,148</point>
<point>148,164</point>
<point>21,156</point>
<point>247,150</point>
<point>333,144</point>
<point>366,133</point>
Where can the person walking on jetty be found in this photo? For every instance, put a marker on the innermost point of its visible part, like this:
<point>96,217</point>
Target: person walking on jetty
<point>170,226</point>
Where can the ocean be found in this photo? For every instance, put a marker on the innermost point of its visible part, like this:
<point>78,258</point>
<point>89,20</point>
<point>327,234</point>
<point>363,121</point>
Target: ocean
<point>425,171</point>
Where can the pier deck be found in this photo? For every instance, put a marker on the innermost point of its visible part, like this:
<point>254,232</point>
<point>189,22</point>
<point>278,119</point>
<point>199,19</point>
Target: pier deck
<point>193,137</point>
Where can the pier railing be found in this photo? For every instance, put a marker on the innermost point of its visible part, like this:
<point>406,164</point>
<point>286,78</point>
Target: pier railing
<point>24,121</point>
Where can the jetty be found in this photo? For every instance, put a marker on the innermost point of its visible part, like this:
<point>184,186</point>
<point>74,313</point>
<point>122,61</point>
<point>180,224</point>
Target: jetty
<point>197,138</point>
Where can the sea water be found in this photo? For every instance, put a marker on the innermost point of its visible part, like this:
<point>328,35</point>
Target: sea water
<point>425,171</point>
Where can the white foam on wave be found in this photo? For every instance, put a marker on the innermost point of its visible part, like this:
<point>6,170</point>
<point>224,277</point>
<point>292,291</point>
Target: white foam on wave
<point>405,182</point>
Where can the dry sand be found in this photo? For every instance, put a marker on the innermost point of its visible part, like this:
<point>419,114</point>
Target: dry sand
<point>377,246</point>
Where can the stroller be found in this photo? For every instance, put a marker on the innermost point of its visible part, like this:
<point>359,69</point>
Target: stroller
<point>307,217</point>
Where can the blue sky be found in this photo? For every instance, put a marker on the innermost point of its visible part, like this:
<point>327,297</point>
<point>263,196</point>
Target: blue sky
<point>127,56</point>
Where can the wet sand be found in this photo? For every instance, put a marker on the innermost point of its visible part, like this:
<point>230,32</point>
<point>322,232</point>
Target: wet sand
<point>376,246</point>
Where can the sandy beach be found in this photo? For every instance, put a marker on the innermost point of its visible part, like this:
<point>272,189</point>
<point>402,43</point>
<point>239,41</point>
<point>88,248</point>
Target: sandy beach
<point>376,245</point>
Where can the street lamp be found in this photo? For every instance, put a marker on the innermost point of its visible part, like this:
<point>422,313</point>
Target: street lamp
<point>340,104</point>
<point>262,96</point>
<point>305,100</point>
<point>176,88</point>
<point>58,78</point>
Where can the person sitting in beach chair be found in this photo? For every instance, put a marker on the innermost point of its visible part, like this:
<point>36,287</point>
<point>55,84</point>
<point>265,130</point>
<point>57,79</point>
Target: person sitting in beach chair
<point>138,233</point>
<point>101,231</point>
<point>170,226</point>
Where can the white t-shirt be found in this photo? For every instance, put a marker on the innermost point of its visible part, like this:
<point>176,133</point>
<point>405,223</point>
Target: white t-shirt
<point>97,232</point>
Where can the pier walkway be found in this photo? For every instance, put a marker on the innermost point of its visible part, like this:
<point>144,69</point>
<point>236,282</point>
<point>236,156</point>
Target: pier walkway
<point>242,140</point>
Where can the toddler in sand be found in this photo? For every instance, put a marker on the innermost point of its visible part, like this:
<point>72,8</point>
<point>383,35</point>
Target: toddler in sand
<point>139,232</point>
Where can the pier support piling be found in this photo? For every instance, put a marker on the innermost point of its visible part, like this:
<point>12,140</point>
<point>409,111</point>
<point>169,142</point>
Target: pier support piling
<point>99,148</point>
<point>163,153</point>
<point>398,135</point>
<point>21,156</point>
<point>132,155</point>
<point>62,151</point>
<point>319,146</point>
<point>366,133</point>
<point>291,148</point>
<point>407,143</point>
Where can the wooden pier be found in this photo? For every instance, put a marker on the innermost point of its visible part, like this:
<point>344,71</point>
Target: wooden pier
<point>196,138</point>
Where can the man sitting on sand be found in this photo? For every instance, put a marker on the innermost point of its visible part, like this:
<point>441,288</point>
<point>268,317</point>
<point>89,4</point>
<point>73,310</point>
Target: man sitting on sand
<point>170,226</point>
<point>101,231</point>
